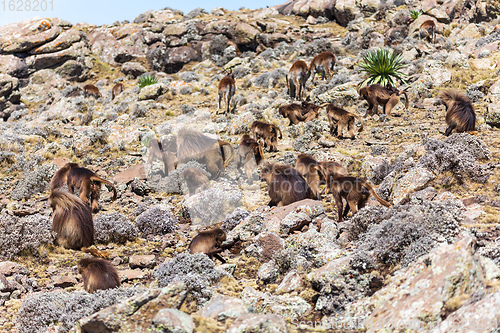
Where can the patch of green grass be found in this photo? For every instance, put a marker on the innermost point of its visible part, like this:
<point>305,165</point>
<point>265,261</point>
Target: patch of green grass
<point>146,81</point>
<point>415,14</point>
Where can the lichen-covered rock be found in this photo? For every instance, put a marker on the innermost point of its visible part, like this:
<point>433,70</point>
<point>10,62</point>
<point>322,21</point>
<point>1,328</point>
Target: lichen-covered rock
<point>264,246</point>
<point>136,313</point>
<point>290,282</point>
<point>133,69</point>
<point>172,320</point>
<point>404,233</point>
<point>317,247</point>
<point>153,91</point>
<point>262,323</point>
<point>210,206</point>
<point>197,271</point>
<point>221,307</point>
<point>293,217</point>
<point>114,228</point>
<point>174,183</point>
<point>459,154</point>
<point>251,226</point>
<point>233,219</point>
<point>142,261</point>
<point>343,95</point>
<point>268,272</point>
<point>28,34</point>
<point>375,168</point>
<point>480,315</point>
<point>156,221</point>
<point>341,282</point>
<point>345,11</point>
<point>415,179</point>
<point>24,235</point>
<point>493,115</point>
<point>436,73</point>
<point>284,306</point>
<point>34,182</point>
<point>42,310</point>
<point>438,283</point>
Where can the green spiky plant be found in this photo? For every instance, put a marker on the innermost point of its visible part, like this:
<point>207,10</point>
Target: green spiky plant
<point>146,81</point>
<point>383,67</point>
<point>415,14</point>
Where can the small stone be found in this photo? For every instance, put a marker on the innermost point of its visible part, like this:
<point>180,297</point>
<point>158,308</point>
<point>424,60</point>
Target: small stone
<point>131,274</point>
<point>9,268</point>
<point>290,282</point>
<point>142,261</point>
<point>221,307</point>
<point>64,281</point>
<point>172,320</point>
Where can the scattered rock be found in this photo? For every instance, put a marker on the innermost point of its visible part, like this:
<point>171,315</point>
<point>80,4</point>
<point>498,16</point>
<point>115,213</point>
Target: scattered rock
<point>142,261</point>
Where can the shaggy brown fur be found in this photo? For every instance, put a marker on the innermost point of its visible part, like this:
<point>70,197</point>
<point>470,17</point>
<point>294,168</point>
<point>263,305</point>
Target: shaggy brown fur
<point>387,97</point>
<point>285,185</point>
<point>299,112</point>
<point>227,88</point>
<point>71,221</point>
<point>329,170</point>
<point>163,153</point>
<point>250,154</point>
<point>428,30</point>
<point>91,90</point>
<point>323,63</point>
<point>117,90</point>
<point>196,180</point>
<point>98,274</point>
<point>355,191</point>
<point>297,78</point>
<point>341,119</point>
<point>460,114</point>
<point>88,185</point>
<point>268,132</point>
<point>194,145</point>
<point>308,167</point>
<point>61,176</point>
<point>209,242</point>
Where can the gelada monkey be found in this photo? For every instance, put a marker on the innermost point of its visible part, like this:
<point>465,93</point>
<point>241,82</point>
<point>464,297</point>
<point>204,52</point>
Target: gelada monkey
<point>196,180</point>
<point>194,145</point>
<point>297,78</point>
<point>460,115</point>
<point>299,112</point>
<point>209,242</point>
<point>71,221</point>
<point>227,88</point>
<point>340,119</point>
<point>323,63</point>
<point>117,90</point>
<point>355,191</point>
<point>428,30</point>
<point>98,274</point>
<point>164,153</point>
<point>285,185</point>
<point>388,97</point>
<point>91,90</point>
<point>308,167</point>
<point>89,186</point>
<point>84,180</point>
<point>250,154</point>
<point>268,132</point>
<point>61,176</point>
<point>328,171</point>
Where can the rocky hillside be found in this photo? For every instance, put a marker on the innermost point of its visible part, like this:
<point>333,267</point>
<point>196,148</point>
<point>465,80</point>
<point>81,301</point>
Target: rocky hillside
<point>431,261</point>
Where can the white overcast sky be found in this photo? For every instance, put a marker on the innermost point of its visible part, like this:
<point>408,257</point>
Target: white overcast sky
<point>109,11</point>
